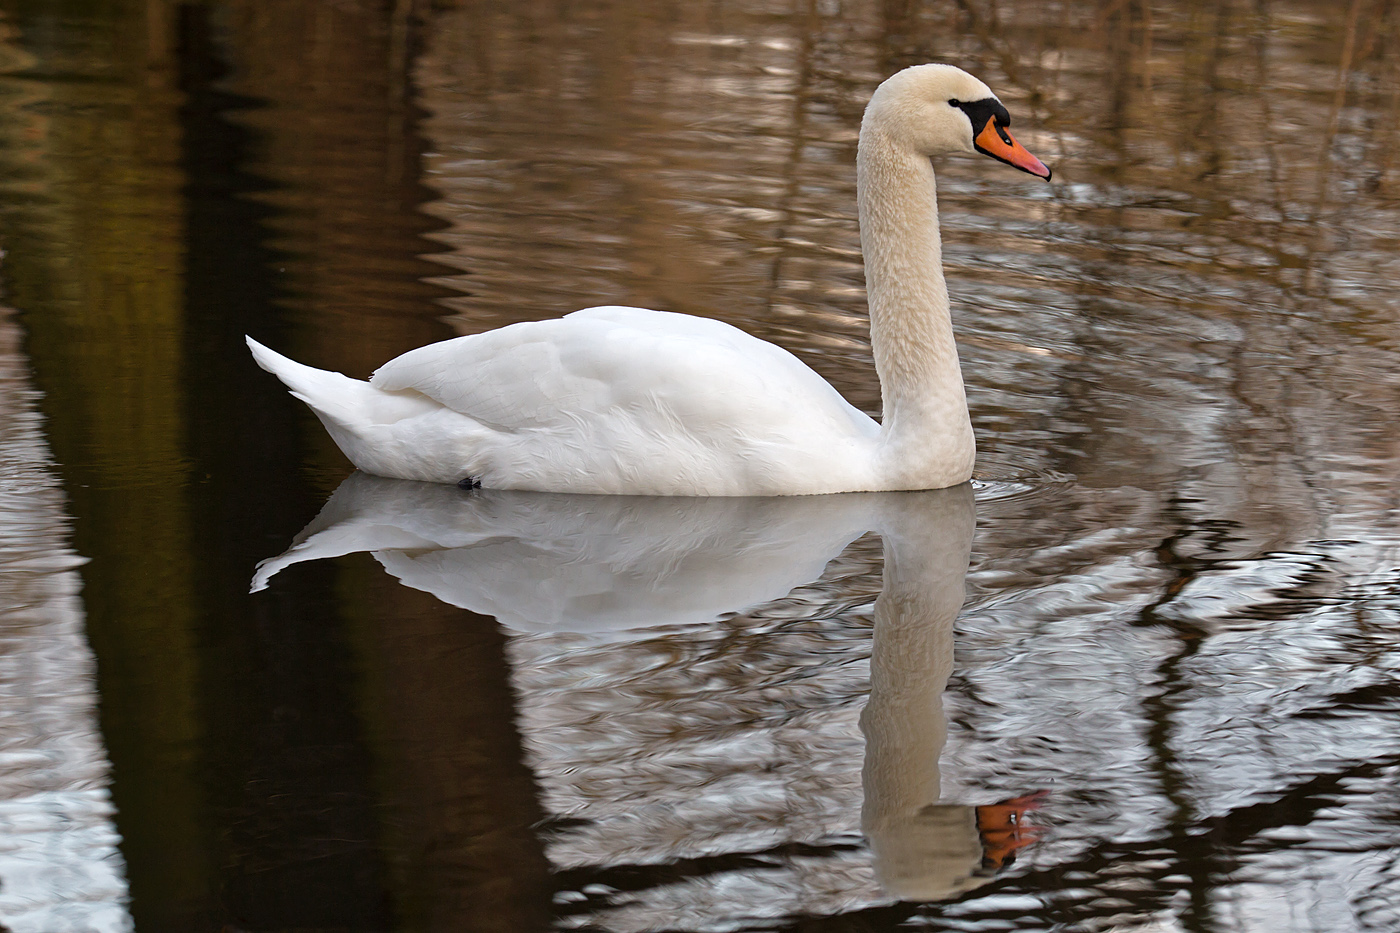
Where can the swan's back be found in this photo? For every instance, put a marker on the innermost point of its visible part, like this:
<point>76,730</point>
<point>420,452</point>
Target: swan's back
<point>542,373</point>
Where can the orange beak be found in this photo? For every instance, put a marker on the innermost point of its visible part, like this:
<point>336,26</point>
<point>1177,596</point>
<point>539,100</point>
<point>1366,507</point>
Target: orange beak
<point>1003,826</point>
<point>996,142</point>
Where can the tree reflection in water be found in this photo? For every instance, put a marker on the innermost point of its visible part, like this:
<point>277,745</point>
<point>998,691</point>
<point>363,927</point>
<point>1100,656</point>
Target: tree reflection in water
<point>1180,362</point>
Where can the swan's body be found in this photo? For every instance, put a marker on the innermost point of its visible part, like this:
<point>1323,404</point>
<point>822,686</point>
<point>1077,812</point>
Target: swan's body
<point>605,400</point>
<point>630,401</point>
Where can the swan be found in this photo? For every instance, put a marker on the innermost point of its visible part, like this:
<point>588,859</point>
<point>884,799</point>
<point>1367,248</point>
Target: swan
<point>616,400</point>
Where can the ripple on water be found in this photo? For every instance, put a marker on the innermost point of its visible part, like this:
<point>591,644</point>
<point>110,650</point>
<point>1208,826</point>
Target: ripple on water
<point>995,483</point>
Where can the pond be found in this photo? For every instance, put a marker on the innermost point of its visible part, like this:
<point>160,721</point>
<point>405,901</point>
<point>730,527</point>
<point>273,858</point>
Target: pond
<point>1142,675</point>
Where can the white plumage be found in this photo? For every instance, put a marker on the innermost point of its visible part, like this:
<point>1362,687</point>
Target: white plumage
<point>604,400</point>
<point>631,401</point>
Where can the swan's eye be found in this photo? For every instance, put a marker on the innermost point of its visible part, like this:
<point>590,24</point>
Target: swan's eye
<point>954,102</point>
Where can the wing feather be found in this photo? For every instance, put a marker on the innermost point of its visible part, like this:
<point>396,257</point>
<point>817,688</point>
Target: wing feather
<point>622,362</point>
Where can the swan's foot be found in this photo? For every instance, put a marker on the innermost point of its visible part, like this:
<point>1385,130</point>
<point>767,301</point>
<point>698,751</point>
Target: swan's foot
<point>469,482</point>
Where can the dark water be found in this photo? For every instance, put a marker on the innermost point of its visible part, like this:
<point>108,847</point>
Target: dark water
<point>1165,695</point>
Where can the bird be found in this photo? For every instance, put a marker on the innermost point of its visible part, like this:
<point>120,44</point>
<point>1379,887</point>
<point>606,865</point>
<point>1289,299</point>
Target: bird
<point>631,401</point>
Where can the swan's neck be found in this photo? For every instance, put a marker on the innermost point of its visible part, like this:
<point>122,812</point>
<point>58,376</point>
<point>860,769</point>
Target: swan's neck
<point>926,432</point>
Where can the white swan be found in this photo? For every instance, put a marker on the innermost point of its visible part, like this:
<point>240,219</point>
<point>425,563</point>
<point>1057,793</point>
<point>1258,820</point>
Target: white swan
<point>630,401</point>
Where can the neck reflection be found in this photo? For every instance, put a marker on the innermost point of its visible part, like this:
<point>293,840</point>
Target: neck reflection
<point>925,850</point>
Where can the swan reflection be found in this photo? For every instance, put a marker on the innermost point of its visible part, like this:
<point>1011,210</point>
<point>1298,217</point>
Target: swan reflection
<point>559,562</point>
<point>543,562</point>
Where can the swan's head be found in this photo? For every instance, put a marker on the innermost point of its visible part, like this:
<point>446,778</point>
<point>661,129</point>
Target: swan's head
<point>936,109</point>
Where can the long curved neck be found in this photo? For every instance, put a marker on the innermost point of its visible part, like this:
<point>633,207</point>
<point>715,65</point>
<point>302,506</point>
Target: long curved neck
<point>926,429</point>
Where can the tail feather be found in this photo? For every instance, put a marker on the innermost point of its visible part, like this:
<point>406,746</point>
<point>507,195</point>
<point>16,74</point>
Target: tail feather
<point>330,395</point>
<point>377,429</point>
<point>351,404</point>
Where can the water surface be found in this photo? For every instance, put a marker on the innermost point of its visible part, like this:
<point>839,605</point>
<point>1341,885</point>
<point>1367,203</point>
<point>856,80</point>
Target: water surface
<point>1172,656</point>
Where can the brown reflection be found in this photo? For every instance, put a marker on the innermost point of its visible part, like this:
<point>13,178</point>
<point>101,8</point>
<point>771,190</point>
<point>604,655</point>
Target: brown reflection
<point>342,820</point>
<point>341,161</point>
<point>637,165</point>
<point>136,224</point>
<point>460,805</point>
